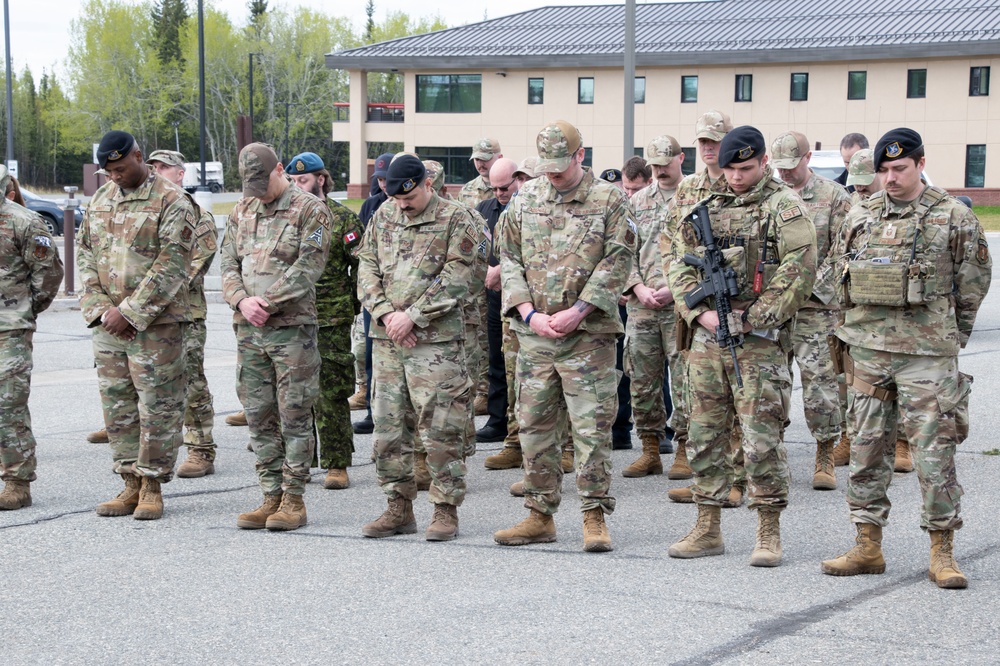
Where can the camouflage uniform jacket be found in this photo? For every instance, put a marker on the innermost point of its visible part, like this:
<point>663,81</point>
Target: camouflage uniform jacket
<point>134,252</point>
<point>691,191</point>
<point>337,288</point>
<point>738,223</point>
<point>422,267</point>
<point>556,249</point>
<point>827,204</point>
<point>30,268</point>
<point>276,251</point>
<point>474,191</point>
<point>206,239</point>
<point>951,251</point>
<point>477,286</point>
<point>651,206</point>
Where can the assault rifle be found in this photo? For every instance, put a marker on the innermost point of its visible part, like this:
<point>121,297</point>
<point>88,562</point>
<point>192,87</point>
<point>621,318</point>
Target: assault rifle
<point>719,281</point>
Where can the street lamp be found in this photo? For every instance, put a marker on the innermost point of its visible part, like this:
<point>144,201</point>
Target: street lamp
<point>177,137</point>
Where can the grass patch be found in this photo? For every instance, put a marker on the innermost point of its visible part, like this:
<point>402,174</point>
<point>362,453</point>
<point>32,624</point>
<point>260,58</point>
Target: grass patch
<point>989,216</point>
<point>992,452</point>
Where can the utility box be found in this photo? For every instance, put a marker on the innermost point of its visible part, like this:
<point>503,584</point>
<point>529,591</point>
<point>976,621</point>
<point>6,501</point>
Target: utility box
<point>213,176</point>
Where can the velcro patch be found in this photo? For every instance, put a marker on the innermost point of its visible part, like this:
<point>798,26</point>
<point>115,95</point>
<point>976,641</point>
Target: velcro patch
<point>186,234</point>
<point>41,251</point>
<point>983,252</point>
<point>466,246</point>
<point>350,237</point>
<point>44,241</point>
<point>316,237</point>
<point>791,213</point>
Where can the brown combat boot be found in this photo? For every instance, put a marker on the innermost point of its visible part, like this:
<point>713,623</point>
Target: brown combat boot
<point>150,506</point>
<point>536,528</point>
<point>767,549</point>
<point>444,523</point>
<point>681,495</point>
<point>517,489</point>
<point>481,405</point>
<point>649,462</point>
<point>396,519</point>
<point>359,400</point>
<point>291,514</point>
<point>824,478</point>
<point>336,479</point>
<point>864,558</point>
<point>509,457</point>
<point>98,436</point>
<point>904,463</point>
<point>197,464</point>
<point>257,519</point>
<point>842,452</point>
<point>944,569</point>
<point>680,469</point>
<point>568,460</point>
<point>16,495</point>
<point>595,531</point>
<point>237,419</point>
<point>706,537</point>
<point>421,475</point>
<point>127,500</point>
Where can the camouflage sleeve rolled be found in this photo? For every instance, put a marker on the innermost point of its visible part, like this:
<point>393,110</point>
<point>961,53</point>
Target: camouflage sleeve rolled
<point>607,281</point>
<point>973,269</point>
<point>299,280</point>
<point>203,251</point>
<point>94,302</point>
<point>453,283</point>
<point>507,234</point>
<point>169,271</point>
<point>825,287</point>
<point>370,290</point>
<point>42,258</point>
<point>231,263</point>
<point>634,276</point>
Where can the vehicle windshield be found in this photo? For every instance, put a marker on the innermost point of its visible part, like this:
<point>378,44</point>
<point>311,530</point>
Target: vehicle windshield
<point>27,194</point>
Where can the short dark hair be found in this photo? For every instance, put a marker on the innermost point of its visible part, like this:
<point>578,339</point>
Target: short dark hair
<point>854,139</point>
<point>635,167</point>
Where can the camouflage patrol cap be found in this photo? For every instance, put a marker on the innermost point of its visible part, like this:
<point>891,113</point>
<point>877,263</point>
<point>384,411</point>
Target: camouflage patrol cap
<point>304,163</point>
<point>557,143</point>
<point>4,179</point>
<point>861,170</point>
<point>527,167</point>
<point>713,125</point>
<point>485,149</point>
<point>257,161</point>
<point>789,149</point>
<point>435,172</point>
<point>168,157</point>
<point>662,150</point>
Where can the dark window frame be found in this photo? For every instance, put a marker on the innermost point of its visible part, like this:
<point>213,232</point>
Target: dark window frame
<point>541,90</point>
<point>863,74</point>
<point>453,84</point>
<point>458,168</point>
<point>744,84</point>
<point>805,87</point>
<point>684,98</point>
<point>916,84</point>
<point>979,85</point>
<point>635,91</point>
<point>579,89</point>
<point>979,178</point>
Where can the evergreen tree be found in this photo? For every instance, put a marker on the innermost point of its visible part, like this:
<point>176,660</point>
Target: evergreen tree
<point>169,18</point>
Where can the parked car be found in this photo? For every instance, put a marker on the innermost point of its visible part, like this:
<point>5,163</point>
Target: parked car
<point>50,212</point>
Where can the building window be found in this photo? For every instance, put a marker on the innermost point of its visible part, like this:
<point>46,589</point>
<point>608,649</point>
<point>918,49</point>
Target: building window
<point>585,90</point>
<point>916,83</point>
<point>449,93</point>
<point>979,81</point>
<point>744,87</point>
<point>536,91</point>
<point>687,166</point>
<point>975,165</point>
<point>588,157</point>
<point>689,89</point>
<point>800,88</point>
<point>857,84</point>
<point>458,168</point>
<point>640,90</point>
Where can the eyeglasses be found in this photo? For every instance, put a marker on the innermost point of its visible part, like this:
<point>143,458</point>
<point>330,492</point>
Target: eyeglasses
<point>506,187</point>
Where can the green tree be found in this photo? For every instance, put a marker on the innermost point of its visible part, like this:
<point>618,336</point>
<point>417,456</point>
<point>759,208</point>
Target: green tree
<point>387,86</point>
<point>370,23</point>
<point>169,18</point>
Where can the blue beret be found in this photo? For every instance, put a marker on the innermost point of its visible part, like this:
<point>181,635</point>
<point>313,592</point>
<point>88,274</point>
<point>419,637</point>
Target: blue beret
<point>741,144</point>
<point>114,146</point>
<point>305,163</point>
<point>405,174</point>
<point>895,145</point>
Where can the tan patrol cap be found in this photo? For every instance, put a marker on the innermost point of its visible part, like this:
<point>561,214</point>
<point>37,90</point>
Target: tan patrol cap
<point>485,149</point>
<point>788,150</point>
<point>168,157</point>
<point>713,125</point>
<point>527,167</point>
<point>861,170</point>
<point>435,172</point>
<point>557,143</point>
<point>662,150</point>
<point>257,161</point>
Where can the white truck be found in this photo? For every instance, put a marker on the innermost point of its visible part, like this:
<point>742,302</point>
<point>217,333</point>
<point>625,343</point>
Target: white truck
<point>213,176</point>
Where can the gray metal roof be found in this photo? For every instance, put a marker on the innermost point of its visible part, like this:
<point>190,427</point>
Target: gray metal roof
<point>698,33</point>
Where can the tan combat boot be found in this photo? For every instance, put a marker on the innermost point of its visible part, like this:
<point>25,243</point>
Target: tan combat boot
<point>396,519</point>
<point>16,495</point>
<point>359,400</point>
<point>681,495</point>
<point>237,419</point>
<point>98,436</point>
<point>536,528</point>
<point>864,558</point>
<point>257,519</point>
<point>595,531</point>
<point>842,452</point>
<point>680,469</point>
<point>735,498</point>
<point>649,462</point>
<point>767,549</point>
<point>706,537</point>
<point>509,457</point>
<point>444,523</point>
<point>150,505</point>
<point>517,489</point>
<point>481,405</point>
<point>904,463</point>
<point>568,460</point>
<point>824,478</point>
<point>421,475</point>
<point>944,569</point>
<point>291,514</point>
<point>197,464</point>
<point>127,500</point>
<point>336,479</point>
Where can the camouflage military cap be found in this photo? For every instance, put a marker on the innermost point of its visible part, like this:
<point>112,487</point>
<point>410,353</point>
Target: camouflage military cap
<point>789,149</point>
<point>527,167</point>
<point>435,171</point>
<point>662,150</point>
<point>168,157</point>
<point>485,149</point>
<point>257,161</point>
<point>557,143</point>
<point>713,125</point>
<point>4,179</point>
<point>861,170</point>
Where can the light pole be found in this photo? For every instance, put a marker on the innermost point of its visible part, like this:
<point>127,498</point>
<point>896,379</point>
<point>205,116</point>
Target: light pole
<point>201,90</point>
<point>177,137</point>
<point>10,95</point>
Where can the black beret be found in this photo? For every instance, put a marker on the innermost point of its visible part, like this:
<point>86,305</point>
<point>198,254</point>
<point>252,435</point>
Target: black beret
<point>896,144</point>
<point>611,175</point>
<point>741,144</point>
<point>114,146</point>
<point>405,173</point>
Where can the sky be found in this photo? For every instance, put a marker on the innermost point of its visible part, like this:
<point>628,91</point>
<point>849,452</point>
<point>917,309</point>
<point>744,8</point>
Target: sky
<point>39,35</point>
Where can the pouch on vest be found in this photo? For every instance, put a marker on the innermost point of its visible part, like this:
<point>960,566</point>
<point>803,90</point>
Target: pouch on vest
<point>876,283</point>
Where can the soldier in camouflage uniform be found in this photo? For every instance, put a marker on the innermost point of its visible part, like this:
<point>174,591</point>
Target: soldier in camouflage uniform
<point>826,205</point>
<point>133,255</point>
<point>199,414</point>
<point>566,252</point>
<point>754,218</point>
<point>30,273</point>
<point>275,249</point>
<point>417,258</point>
<point>916,271</point>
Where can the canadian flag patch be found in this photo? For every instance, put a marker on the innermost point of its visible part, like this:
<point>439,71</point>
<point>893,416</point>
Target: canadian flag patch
<point>350,237</point>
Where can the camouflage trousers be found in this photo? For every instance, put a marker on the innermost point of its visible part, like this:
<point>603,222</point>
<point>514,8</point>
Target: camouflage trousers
<point>358,350</point>
<point>931,395</point>
<point>480,345</point>
<point>277,380</point>
<point>761,406</point>
<point>580,370</point>
<point>510,348</point>
<point>17,443</point>
<point>809,329</point>
<point>423,391</point>
<point>142,387</point>
<point>477,363</point>
<point>199,414</point>
<point>649,340</point>
<point>336,385</point>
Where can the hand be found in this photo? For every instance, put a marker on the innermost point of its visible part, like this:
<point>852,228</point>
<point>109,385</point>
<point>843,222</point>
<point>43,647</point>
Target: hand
<point>540,324</point>
<point>664,296</point>
<point>623,300</point>
<point>646,296</point>
<point>410,341</point>
<point>493,278</point>
<point>252,307</point>
<point>115,324</point>
<point>710,320</point>
<point>398,325</point>
<point>565,321</point>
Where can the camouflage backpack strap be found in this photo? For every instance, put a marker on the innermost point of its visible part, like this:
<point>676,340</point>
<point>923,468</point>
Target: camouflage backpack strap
<point>930,197</point>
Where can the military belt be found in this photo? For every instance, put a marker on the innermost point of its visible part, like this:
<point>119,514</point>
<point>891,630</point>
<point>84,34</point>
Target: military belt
<point>877,392</point>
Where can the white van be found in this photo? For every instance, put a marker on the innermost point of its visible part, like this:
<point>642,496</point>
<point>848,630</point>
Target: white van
<point>213,176</point>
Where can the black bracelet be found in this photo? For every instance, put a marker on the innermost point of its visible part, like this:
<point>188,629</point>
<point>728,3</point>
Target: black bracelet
<point>527,320</point>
